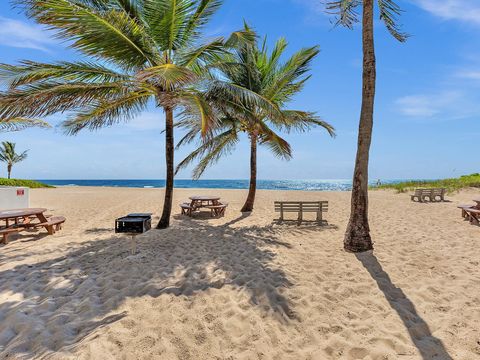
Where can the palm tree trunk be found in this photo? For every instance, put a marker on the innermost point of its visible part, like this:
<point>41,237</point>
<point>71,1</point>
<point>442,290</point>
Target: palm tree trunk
<point>9,170</point>
<point>169,157</point>
<point>357,237</point>
<point>248,206</point>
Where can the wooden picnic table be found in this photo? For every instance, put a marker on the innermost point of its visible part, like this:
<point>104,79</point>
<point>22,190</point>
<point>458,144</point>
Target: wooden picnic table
<point>22,219</point>
<point>204,201</point>
<point>22,216</point>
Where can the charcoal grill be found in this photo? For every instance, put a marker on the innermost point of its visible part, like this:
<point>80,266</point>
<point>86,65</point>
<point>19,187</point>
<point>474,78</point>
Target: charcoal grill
<point>133,224</point>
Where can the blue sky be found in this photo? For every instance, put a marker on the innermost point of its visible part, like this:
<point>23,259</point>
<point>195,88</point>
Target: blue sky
<point>427,109</point>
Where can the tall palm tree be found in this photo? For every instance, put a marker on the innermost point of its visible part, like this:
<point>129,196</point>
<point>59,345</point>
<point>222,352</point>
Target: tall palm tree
<point>253,67</point>
<point>138,51</point>
<point>9,156</point>
<point>357,236</point>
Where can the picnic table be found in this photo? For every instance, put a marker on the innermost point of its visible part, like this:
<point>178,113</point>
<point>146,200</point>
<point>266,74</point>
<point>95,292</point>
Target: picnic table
<point>204,201</point>
<point>471,212</point>
<point>16,220</point>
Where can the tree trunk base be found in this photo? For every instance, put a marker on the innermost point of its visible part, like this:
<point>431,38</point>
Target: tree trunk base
<point>357,243</point>
<point>162,225</point>
<point>247,209</point>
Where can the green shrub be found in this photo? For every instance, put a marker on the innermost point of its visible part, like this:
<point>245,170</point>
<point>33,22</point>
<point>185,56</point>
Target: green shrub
<point>26,183</point>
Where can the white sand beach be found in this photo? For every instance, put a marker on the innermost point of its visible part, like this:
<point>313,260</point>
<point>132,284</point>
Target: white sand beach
<point>241,287</point>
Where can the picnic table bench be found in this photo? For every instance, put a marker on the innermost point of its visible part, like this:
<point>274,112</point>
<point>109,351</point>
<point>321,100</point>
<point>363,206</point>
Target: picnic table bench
<point>301,207</point>
<point>432,194</point>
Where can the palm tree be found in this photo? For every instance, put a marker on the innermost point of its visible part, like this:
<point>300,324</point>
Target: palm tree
<point>274,82</point>
<point>9,156</point>
<point>357,236</point>
<point>138,51</point>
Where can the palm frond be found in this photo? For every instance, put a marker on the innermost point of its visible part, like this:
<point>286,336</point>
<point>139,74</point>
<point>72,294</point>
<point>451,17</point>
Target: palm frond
<point>287,80</point>
<point>200,17</point>
<point>345,10</point>
<point>240,38</point>
<point>17,124</point>
<point>169,77</point>
<point>39,100</point>
<point>389,13</point>
<point>277,145</point>
<point>301,121</point>
<point>30,71</point>
<point>103,114</point>
<point>242,97</point>
<point>168,22</point>
<point>108,34</point>
<point>198,58</point>
<point>210,152</point>
<point>196,106</point>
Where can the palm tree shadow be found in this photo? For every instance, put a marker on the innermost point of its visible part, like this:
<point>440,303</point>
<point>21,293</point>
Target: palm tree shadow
<point>81,288</point>
<point>429,346</point>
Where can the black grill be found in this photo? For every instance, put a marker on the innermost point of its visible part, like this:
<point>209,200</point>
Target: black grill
<point>137,223</point>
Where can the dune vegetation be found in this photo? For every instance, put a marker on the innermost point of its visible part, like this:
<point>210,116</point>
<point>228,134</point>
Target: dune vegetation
<point>452,184</point>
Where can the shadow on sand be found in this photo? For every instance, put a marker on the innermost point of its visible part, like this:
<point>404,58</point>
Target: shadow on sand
<point>428,345</point>
<point>80,291</point>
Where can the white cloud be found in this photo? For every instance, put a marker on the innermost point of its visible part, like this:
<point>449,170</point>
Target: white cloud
<point>462,10</point>
<point>19,34</point>
<point>469,74</point>
<point>431,105</point>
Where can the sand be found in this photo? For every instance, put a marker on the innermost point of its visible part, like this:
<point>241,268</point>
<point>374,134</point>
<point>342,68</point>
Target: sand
<point>241,287</point>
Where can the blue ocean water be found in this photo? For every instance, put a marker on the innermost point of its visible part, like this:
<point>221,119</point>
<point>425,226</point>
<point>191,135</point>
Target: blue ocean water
<point>307,185</point>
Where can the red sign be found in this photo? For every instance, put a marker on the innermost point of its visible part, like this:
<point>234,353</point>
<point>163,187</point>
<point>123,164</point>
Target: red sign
<point>20,192</point>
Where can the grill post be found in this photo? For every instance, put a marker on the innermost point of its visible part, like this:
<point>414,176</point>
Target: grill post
<point>134,244</point>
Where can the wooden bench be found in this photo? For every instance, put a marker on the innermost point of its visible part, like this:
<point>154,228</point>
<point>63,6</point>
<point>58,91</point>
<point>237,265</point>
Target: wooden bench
<point>6,232</point>
<point>187,209</point>
<point>53,224</point>
<point>438,193</point>
<point>432,194</point>
<point>301,207</point>
<point>218,210</point>
<point>421,194</point>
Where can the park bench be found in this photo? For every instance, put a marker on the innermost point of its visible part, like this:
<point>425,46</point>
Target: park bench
<point>432,194</point>
<point>438,193</point>
<point>301,207</point>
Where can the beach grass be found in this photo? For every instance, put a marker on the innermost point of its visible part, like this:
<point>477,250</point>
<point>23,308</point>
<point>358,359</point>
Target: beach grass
<point>26,183</point>
<point>452,184</point>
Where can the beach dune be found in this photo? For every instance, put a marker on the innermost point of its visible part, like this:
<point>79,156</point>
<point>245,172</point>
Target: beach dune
<point>243,286</point>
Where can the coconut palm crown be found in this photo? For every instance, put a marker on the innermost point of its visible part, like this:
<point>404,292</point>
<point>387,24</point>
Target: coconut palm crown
<point>136,51</point>
<point>9,156</point>
<point>253,67</point>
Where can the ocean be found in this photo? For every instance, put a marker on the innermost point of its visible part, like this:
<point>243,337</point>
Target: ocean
<point>306,185</point>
